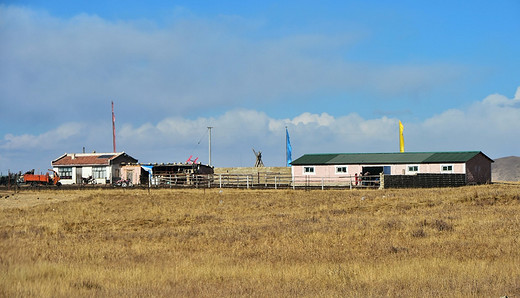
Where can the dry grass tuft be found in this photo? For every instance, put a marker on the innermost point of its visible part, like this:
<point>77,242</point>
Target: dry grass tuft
<point>415,242</point>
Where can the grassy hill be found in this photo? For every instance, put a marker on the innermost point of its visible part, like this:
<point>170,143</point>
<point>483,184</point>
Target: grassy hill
<point>417,242</point>
<point>506,169</point>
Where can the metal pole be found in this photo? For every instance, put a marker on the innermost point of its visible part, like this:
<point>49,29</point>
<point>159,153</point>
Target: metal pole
<point>113,128</point>
<point>209,129</point>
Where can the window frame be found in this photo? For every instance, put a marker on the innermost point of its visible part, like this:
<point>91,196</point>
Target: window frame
<point>312,172</point>
<point>408,171</point>
<point>336,168</point>
<point>447,171</point>
<point>62,170</point>
<point>97,170</point>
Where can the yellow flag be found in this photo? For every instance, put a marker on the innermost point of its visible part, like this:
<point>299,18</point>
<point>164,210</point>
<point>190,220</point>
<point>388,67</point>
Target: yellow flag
<point>401,138</point>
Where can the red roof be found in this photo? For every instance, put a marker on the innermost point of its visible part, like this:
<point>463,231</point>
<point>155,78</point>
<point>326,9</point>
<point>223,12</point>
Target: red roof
<point>85,159</point>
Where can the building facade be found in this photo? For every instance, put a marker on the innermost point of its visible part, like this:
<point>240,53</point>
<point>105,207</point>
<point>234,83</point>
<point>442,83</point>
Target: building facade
<point>164,173</point>
<point>95,168</point>
<point>338,168</point>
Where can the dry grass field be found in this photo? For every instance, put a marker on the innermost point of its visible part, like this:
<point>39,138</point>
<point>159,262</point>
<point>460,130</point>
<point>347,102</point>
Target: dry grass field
<point>455,242</point>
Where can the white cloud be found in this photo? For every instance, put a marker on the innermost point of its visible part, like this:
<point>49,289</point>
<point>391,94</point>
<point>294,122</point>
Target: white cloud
<point>489,125</point>
<point>497,100</point>
<point>47,140</point>
<point>79,64</point>
<point>237,131</point>
<point>322,120</point>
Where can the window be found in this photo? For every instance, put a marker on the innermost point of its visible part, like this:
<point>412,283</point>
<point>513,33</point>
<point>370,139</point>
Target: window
<point>341,169</point>
<point>98,172</point>
<point>446,168</point>
<point>65,173</point>
<point>308,170</point>
<point>412,169</point>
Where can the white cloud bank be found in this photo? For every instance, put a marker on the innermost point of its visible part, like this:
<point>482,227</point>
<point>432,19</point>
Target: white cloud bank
<point>489,125</point>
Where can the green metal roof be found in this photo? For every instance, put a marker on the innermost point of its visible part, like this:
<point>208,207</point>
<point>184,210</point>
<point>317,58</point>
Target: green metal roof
<point>451,157</point>
<point>386,158</point>
<point>314,159</point>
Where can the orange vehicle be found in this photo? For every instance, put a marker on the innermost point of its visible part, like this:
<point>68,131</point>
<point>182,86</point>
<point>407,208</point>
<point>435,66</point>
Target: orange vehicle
<point>42,179</point>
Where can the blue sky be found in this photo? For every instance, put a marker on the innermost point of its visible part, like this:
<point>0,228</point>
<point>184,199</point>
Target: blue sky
<point>338,74</point>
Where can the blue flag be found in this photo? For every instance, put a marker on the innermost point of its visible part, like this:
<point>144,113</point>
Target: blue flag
<point>288,148</point>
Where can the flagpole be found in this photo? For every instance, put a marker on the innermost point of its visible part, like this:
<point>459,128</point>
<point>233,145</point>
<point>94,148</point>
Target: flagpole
<point>286,146</point>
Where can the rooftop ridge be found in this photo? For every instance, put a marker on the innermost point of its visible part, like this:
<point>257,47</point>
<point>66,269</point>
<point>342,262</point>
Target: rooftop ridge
<point>414,152</point>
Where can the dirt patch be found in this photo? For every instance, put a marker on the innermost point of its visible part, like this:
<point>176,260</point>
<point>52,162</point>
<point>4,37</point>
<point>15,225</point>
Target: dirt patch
<point>22,199</point>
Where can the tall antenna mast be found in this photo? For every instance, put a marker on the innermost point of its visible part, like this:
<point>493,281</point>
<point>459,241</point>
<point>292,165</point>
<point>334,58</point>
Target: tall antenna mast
<point>113,128</point>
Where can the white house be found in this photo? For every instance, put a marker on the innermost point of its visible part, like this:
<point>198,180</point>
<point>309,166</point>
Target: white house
<point>104,168</point>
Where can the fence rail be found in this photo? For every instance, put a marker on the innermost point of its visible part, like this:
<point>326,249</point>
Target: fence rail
<point>268,181</point>
<point>261,181</point>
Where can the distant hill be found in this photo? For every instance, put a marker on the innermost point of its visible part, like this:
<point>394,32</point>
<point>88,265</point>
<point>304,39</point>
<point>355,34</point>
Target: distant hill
<point>506,169</point>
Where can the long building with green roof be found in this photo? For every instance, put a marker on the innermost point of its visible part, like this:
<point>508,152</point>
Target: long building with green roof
<point>341,166</point>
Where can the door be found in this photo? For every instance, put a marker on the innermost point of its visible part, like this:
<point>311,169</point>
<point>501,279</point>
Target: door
<point>79,177</point>
<point>130,175</point>
<point>386,170</point>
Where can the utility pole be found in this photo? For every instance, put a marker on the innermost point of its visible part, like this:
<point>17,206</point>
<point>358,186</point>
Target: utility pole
<point>209,129</point>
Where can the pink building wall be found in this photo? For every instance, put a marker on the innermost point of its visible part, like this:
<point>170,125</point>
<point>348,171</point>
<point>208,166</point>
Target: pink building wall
<point>328,172</point>
<point>132,172</point>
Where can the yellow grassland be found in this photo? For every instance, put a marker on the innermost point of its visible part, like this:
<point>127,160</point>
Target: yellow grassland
<point>455,242</point>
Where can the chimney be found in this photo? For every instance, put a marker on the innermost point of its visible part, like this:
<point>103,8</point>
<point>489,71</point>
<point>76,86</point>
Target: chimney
<point>73,156</point>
